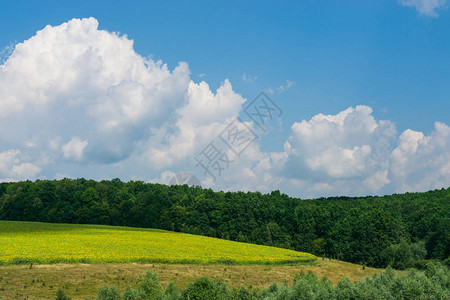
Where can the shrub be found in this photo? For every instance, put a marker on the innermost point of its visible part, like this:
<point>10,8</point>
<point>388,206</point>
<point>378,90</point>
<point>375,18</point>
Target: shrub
<point>205,288</point>
<point>401,255</point>
<point>447,262</point>
<point>60,295</point>
<point>420,264</point>
<point>149,286</point>
<point>108,293</point>
<point>171,292</point>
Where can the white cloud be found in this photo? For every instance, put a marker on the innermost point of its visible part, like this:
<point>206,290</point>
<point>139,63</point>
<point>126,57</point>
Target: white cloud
<point>350,147</point>
<point>351,153</point>
<point>426,7</point>
<point>249,79</point>
<point>421,162</point>
<point>89,98</point>
<point>269,90</point>
<point>75,80</point>
<point>73,150</point>
<point>201,120</point>
<point>13,167</point>
<point>286,87</point>
<point>376,181</point>
<point>6,52</point>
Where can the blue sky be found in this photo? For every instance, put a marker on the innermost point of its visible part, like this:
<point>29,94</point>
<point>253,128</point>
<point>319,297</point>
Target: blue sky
<point>391,56</point>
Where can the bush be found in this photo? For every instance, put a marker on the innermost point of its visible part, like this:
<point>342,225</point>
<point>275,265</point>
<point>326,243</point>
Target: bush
<point>345,289</point>
<point>402,255</point>
<point>60,295</point>
<point>149,286</point>
<point>108,293</point>
<point>447,262</point>
<point>205,288</point>
<point>171,292</point>
<point>420,264</point>
<point>308,286</point>
<point>241,294</point>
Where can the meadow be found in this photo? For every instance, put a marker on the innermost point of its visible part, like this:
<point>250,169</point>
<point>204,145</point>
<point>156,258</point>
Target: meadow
<point>45,243</point>
<point>81,281</point>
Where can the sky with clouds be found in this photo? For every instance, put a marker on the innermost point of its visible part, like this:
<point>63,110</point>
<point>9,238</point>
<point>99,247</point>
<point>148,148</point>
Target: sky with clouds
<point>355,96</point>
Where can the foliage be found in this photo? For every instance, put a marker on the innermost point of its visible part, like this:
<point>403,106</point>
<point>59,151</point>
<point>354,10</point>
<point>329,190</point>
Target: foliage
<point>205,288</point>
<point>404,254</point>
<point>60,295</point>
<point>357,230</point>
<point>109,293</point>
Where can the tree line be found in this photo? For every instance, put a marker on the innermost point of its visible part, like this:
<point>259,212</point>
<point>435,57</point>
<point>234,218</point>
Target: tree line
<point>401,230</point>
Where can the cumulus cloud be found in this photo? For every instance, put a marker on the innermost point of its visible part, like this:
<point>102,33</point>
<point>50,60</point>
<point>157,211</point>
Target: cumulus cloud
<point>87,97</point>
<point>77,101</point>
<point>6,52</point>
<point>421,162</point>
<point>75,80</point>
<point>13,166</point>
<point>201,120</point>
<point>351,153</point>
<point>426,7</point>
<point>350,146</point>
<point>73,150</point>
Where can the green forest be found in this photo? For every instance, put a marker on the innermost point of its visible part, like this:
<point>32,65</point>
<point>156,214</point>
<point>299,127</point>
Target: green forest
<point>400,230</point>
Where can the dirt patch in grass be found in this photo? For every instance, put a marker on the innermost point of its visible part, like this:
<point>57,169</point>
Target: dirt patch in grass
<point>81,281</point>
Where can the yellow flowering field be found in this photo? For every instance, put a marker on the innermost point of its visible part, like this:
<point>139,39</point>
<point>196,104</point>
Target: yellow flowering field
<point>26,242</point>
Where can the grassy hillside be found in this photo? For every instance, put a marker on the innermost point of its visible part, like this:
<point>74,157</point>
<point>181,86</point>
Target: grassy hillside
<point>359,230</point>
<point>26,242</point>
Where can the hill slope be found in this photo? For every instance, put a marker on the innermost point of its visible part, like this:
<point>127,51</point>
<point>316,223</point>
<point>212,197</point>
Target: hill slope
<point>359,230</point>
<point>81,281</point>
<point>26,242</point>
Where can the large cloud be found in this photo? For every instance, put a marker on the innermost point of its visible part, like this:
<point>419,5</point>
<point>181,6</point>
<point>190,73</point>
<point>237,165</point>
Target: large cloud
<point>350,144</point>
<point>351,153</point>
<point>346,153</point>
<point>13,166</point>
<point>78,83</point>
<point>78,101</point>
<point>199,122</point>
<point>421,162</point>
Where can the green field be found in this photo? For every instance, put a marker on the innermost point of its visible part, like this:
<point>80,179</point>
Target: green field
<point>43,243</point>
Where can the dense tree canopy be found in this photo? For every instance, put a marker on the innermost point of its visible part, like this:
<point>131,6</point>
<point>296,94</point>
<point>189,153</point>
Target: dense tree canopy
<point>376,231</point>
